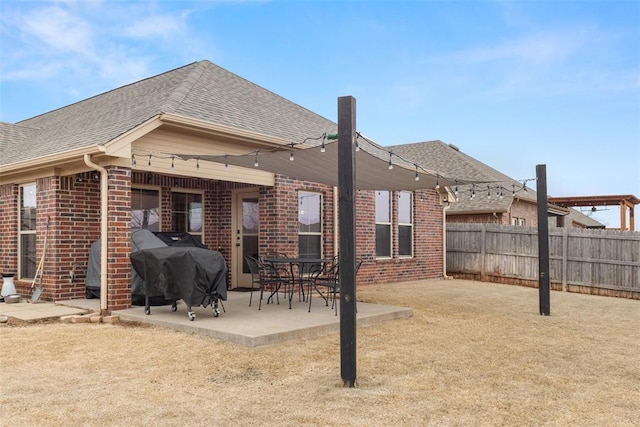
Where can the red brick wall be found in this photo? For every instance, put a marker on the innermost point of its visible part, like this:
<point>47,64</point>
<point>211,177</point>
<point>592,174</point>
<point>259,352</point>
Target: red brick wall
<point>9,228</point>
<point>119,238</point>
<point>526,210</point>
<point>73,205</point>
<point>427,261</point>
<point>279,212</point>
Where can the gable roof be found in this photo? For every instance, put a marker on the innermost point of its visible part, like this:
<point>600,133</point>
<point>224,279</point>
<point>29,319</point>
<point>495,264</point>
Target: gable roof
<point>202,91</point>
<point>440,156</point>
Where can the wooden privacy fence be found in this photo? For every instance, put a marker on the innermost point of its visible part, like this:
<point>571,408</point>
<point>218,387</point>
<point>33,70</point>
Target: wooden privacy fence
<point>603,262</point>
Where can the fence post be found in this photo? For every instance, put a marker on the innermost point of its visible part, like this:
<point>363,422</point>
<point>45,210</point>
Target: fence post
<point>483,252</point>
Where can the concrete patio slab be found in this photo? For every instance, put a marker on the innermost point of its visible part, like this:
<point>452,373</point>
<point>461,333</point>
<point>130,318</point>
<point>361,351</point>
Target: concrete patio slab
<point>240,324</point>
<point>31,312</point>
<point>272,324</point>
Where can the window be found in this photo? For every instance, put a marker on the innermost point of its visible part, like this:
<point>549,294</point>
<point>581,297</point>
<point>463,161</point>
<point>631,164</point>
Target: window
<point>186,214</point>
<point>145,209</point>
<point>405,223</point>
<point>309,224</point>
<point>518,221</point>
<point>27,242</point>
<point>383,224</point>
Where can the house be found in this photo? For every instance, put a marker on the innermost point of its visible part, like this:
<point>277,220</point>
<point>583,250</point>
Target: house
<point>175,153</point>
<point>492,197</point>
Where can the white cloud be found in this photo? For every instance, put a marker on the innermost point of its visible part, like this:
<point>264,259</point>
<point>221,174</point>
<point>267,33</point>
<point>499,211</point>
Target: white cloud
<point>57,29</point>
<point>163,26</point>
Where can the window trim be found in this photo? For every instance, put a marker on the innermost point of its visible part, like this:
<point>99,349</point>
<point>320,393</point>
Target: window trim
<point>153,188</point>
<point>172,191</point>
<point>22,232</point>
<point>389,224</point>
<point>408,225</point>
<point>319,233</point>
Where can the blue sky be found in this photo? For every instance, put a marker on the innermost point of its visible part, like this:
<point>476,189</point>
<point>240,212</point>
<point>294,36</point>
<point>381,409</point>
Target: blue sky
<point>513,84</point>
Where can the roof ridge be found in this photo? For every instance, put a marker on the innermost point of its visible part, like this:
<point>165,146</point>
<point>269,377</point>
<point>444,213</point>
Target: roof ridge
<point>186,86</point>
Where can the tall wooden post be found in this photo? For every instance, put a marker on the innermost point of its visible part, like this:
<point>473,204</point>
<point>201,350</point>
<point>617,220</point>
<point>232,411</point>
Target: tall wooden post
<point>543,241</point>
<point>347,239</point>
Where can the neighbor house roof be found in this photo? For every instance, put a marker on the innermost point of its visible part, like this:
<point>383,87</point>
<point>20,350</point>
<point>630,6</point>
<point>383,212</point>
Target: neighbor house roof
<point>201,91</point>
<point>440,156</point>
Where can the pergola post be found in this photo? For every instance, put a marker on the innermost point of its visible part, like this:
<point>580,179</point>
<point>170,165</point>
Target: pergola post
<point>543,240</point>
<point>347,238</point>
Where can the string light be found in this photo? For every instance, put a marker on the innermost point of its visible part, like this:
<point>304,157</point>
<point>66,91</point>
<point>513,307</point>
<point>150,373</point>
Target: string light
<point>322,141</point>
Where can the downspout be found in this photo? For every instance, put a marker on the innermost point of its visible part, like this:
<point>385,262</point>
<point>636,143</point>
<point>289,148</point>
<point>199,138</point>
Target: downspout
<point>104,205</point>
<point>444,241</point>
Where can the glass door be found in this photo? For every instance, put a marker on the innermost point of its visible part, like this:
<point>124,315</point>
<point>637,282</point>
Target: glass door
<point>246,231</point>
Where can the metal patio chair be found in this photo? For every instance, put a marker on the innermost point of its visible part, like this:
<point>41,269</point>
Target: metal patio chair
<point>265,276</point>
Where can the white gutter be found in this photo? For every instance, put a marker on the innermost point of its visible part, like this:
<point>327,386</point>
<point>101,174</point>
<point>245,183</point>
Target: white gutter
<point>444,241</point>
<point>104,205</point>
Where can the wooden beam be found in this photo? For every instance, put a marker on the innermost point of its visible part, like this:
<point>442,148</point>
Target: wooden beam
<point>543,241</point>
<point>623,216</point>
<point>347,230</point>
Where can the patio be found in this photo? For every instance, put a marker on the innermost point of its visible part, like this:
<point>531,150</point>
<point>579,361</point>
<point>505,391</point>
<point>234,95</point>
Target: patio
<point>240,324</point>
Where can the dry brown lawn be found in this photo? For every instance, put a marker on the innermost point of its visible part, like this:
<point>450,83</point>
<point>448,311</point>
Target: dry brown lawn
<point>473,354</point>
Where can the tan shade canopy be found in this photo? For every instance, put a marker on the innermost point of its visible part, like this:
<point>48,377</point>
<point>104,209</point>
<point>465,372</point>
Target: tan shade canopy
<point>314,165</point>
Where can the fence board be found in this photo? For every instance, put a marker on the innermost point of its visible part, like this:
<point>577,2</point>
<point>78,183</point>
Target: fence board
<point>578,258</point>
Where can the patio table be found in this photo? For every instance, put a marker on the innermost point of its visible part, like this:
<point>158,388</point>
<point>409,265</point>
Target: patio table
<point>298,268</point>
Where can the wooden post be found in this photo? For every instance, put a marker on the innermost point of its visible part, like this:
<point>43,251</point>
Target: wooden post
<point>347,230</point>
<point>543,240</point>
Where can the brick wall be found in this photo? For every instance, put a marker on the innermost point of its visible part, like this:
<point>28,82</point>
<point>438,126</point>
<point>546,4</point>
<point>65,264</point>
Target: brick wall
<point>427,261</point>
<point>9,228</point>
<point>119,238</point>
<point>72,204</point>
<point>526,210</point>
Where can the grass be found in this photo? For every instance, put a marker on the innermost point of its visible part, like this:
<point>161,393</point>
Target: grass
<point>473,354</point>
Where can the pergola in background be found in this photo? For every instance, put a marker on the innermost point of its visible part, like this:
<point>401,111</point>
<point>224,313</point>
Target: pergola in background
<point>624,201</point>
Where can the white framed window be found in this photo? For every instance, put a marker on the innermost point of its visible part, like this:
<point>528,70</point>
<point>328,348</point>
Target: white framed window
<point>518,221</point>
<point>27,263</point>
<point>309,224</point>
<point>383,224</point>
<point>145,209</point>
<point>405,224</point>
<point>187,214</point>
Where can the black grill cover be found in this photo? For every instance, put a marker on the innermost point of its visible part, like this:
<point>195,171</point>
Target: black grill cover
<point>179,239</point>
<point>194,275</point>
